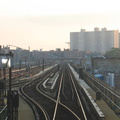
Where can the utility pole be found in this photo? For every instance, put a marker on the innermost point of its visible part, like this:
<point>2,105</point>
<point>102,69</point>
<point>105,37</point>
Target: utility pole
<point>29,62</point>
<point>43,65</point>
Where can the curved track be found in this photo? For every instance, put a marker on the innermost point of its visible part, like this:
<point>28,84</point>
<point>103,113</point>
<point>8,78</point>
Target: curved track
<point>66,102</point>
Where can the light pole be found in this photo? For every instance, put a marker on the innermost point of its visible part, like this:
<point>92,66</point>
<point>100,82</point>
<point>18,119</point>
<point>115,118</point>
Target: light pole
<point>6,62</point>
<point>9,65</point>
<point>4,78</point>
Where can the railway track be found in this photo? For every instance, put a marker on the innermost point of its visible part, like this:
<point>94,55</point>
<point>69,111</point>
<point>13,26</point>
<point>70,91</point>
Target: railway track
<point>30,91</point>
<point>110,96</point>
<point>65,104</point>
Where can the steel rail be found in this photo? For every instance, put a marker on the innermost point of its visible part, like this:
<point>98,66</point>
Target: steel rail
<point>69,110</point>
<point>72,90</point>
<point>31,99</point>
<point>103,85</point>
<point>79,100</point>
<point>58,98</point>
<point>106,96</point>
<point>66,107</point>
<point>57,102</point>
<point>63,92</point>
<point>45,114</point>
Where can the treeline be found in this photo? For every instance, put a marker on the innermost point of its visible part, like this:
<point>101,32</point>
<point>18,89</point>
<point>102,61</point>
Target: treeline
<point>113,53</point>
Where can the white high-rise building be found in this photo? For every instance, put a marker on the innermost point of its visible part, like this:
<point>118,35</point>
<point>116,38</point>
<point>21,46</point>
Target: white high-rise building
<point>95,41</point>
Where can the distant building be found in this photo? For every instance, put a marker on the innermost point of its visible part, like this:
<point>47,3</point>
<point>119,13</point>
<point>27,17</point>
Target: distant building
<point>58,49</point>
<point>95,41</point>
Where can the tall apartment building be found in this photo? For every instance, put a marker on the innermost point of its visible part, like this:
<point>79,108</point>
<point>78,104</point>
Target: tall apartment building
<point>95,41</point>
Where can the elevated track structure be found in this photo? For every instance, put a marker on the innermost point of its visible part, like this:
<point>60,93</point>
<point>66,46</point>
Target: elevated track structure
<point>111,97</point>
<point>64,101</point>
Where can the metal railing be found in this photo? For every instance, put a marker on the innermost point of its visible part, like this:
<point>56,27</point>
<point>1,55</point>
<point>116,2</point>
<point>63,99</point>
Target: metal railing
<point>108,95</point>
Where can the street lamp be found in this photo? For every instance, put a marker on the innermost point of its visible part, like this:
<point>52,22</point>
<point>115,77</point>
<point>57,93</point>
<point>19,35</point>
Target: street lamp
<point>4,65</point>
<point>6,62</point>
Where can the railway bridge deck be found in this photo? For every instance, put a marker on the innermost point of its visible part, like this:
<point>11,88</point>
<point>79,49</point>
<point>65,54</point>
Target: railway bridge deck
<point>109,114</point>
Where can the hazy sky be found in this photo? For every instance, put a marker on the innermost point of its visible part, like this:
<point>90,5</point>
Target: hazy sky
<point>47,24</point>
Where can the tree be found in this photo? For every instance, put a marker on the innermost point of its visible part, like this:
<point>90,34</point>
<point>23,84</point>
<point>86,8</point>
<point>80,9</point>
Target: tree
<point>113,53</point>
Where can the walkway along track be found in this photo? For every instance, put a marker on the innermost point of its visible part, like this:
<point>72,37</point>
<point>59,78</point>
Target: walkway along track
<point>108,95</point>
<point>66,103</point>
